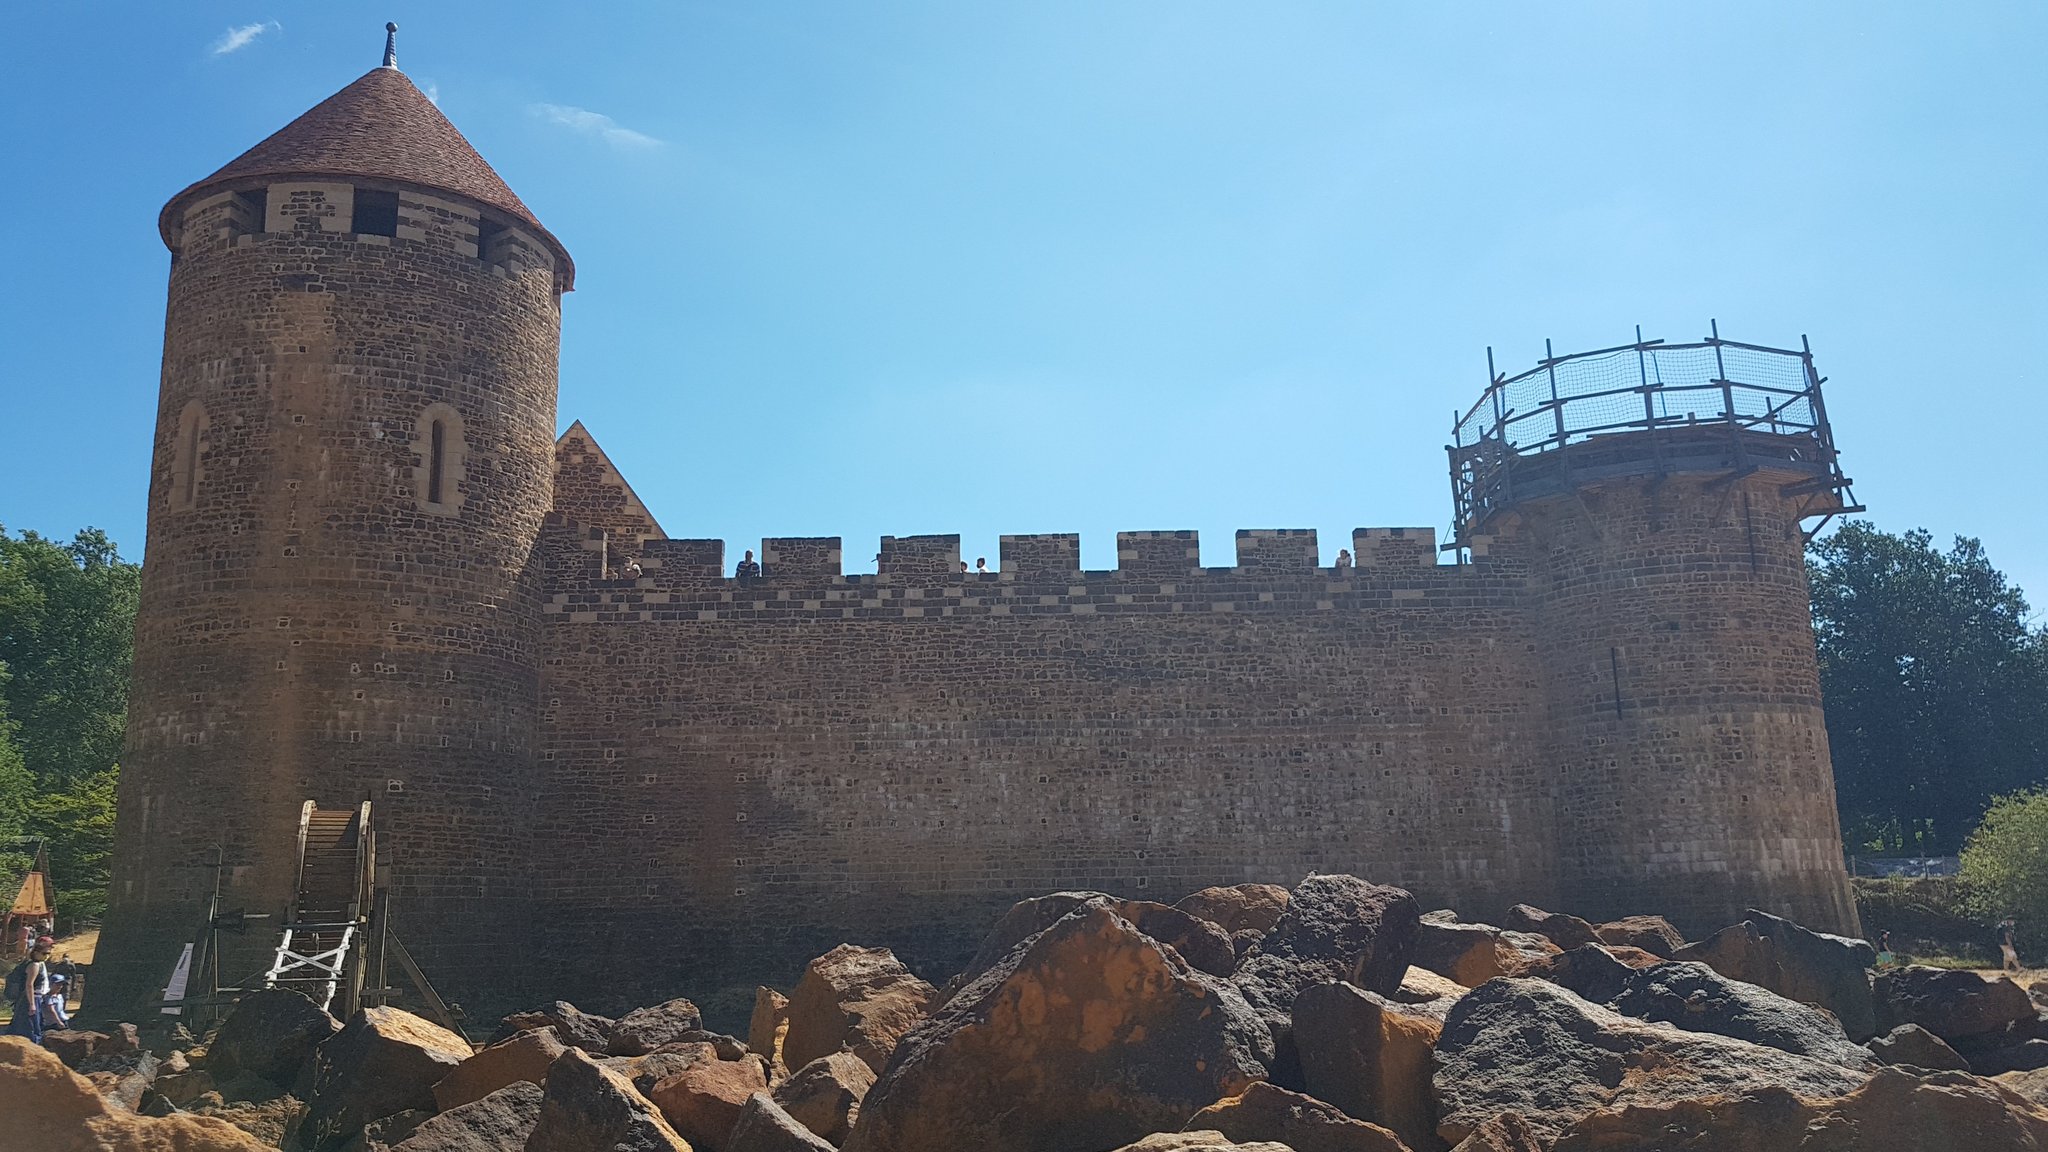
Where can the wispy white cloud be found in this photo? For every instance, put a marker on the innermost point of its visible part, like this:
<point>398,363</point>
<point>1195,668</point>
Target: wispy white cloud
<point>241,37</point>
<point>594,124</point>
<point>433,94</point>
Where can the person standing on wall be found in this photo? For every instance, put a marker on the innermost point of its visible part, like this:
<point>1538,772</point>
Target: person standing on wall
<point>747,570</point>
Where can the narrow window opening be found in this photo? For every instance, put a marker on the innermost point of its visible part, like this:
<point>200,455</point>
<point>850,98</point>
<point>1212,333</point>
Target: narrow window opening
<point>487,233</point>
<point>189,450</point>
<point>376,213</point>
<point>439,456</point>
<point>252,209</point>
<point>186,450</point>
<point>437,462</point>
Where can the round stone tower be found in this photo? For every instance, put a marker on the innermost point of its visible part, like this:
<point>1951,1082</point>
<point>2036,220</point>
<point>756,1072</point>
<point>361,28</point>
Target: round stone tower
<point>352,462</point>
<point>1659,493</point>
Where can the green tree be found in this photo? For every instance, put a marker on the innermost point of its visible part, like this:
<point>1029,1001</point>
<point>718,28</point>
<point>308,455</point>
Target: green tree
<point>67,622</point>
<point>2005,863</point>
<point>78,824</point>
<point>17,792</point>
<point>1935,682</point>
<point>67,633</point>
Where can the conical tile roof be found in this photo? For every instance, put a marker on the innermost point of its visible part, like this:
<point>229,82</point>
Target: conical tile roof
<point>381,127</point>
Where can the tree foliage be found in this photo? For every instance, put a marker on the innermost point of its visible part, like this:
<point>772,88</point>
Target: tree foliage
<point>1935,682</point>
<point>67,635</point>
<point>67,623</point>
<point>2005,863</point>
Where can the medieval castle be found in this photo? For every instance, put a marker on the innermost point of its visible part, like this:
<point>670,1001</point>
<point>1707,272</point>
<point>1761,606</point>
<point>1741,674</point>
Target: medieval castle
<point>374,570</point>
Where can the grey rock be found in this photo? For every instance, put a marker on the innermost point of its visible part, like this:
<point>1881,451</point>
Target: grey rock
<point>644,1029</point>
<point>1086,1036</point>
<point>765,1127</point>
<point>1817,968</point>
<point>589,1108</point>
<point>1534,1049</point>
<point>272,1033</point>
<point>1916,1047</point>
<point>1963,1008</point>
<point>1562,929</point>
<point>577,1028</point>
<point>502,1120</point>
<point>1696,998</point>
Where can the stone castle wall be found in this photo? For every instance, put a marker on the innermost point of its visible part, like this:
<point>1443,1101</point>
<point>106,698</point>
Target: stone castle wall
<point>767,768</point>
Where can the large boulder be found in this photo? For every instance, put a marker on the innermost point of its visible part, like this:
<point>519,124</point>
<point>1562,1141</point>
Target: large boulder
<point>1817,968</point>
<point>1430,993</point>
<point>2031,1085</point>
<point>1238,907</point>
<point>74,1045</point>
<point>496,1122</point>
<point>1653,934</point>
<point>124,1077</point>
<point>1560,928</point>
<point>767,1027</point>
<point>764,1127</point>
<point>1336,928</point>
<point>590,1108</point>
<point>1893,1112</point>
<point>1201,942</point>
<point>182,1088</point>
<point>858,998</point>
<point>2026,1056</point>
<point>644,1072</point>
<point>385,1060</point>
<point>1020,922</point>
<point>1915,1047</point>
<point>1592,971</point>
<point>272,1033</point>
<point>1369,1056</point>
<point>1303,1123</point>
<point>1467,953</point>
<point>523,1058</point>
<point>1087,1036</point>
<point>825,1095</point>
<point>1530,1047</point>
<point>1961,1007</point>
<point>46,1107</point>
<point>644,1029</point>
<point>575,1027</point>
<point>1696,998</point>
<point>1521,951</point>
<point>703,1101</point>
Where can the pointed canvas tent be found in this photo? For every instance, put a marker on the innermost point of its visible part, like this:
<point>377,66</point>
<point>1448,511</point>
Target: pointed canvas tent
<point>32,901</point>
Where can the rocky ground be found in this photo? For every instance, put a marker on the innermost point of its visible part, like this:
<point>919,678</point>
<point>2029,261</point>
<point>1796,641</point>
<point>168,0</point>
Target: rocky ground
<point>1338,1017</point>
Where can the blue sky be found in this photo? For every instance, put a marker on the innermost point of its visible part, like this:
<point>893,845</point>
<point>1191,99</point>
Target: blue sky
<point>854,269</point>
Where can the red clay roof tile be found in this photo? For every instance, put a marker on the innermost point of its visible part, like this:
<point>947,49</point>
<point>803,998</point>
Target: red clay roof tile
<point>381,127</point>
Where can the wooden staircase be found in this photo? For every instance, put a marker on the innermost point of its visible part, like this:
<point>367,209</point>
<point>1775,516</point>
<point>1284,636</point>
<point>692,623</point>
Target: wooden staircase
<point>319,951</point>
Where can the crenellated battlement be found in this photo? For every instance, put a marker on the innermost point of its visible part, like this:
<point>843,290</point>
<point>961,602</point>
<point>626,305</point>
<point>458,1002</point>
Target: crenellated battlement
<point>1278,570</point>
<point>588,558</point>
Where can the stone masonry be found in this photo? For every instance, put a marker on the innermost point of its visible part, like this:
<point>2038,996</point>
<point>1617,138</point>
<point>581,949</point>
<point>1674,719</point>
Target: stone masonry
<point>374,571</point>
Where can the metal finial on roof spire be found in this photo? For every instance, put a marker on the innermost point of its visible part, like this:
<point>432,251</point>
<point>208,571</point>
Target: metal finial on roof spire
<point>391,45</point>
